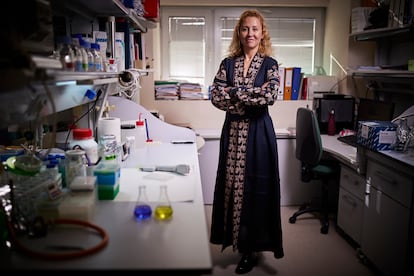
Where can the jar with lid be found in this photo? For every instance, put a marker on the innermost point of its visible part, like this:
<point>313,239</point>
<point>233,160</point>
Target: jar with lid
<point>84,140</point>
<point>75,165</point>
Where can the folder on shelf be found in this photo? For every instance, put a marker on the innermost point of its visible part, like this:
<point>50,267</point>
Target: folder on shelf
<point>280,92</point>
<point>304,88</point>
<point>296,78</point>
<point>287,95</point>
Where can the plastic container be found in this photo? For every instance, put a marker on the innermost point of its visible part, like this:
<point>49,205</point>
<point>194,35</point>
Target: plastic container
<point>331,123</point>
<point>83,139</point>
<point>141,134</point>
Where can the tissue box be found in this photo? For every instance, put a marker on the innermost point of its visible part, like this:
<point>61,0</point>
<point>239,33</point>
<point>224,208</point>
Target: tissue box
<point>377,135</point>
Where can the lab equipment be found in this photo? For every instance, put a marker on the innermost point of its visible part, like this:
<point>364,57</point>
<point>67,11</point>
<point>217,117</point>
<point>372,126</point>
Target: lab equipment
<point>142,210</point>
<point>180,168</point>
<point>163,210</point>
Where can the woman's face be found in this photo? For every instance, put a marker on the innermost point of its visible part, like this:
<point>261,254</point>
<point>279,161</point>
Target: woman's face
<point>251,33</point>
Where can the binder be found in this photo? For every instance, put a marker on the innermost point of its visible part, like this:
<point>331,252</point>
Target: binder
<point>280,91</point>
<point>287,95</point>
<point>296,78</point>
<point>304,89</point>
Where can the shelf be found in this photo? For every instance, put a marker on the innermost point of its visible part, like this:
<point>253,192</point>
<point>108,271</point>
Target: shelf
<point>382,73</point>
<point>100,8</point>
<point>380,33</point>
<point>388,81</point>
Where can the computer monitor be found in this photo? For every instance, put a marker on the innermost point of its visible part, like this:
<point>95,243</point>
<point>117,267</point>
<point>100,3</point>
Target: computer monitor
<point>344,108</point>
<point>369,110</point>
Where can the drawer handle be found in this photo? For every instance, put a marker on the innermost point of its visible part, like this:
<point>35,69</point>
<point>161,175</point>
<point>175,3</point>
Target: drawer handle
<point>386,178</point>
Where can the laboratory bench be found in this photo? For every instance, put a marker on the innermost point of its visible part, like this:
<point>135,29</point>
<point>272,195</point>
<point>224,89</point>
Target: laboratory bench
<point>178,246</point>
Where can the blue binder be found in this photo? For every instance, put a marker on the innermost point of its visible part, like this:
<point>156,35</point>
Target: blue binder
<point>296,77</point>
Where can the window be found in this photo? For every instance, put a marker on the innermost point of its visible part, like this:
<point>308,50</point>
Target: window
<point>195,40</point>
<point>187,48</point>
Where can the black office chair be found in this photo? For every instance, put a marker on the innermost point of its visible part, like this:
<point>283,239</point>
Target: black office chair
<point>309,152</point>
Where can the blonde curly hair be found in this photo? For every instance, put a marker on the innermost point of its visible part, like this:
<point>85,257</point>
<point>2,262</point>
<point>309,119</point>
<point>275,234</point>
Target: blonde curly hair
<point>265,47</point>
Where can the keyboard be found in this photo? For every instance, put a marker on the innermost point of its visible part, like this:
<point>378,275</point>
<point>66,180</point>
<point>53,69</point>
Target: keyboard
<point>349,140</point>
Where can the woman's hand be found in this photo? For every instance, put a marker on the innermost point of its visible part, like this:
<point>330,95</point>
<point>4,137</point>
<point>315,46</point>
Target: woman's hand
<point>265,85</point>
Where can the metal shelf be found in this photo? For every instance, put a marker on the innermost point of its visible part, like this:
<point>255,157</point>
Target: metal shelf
<point>373,34</point>
<point>95,8</point>
<point>383,73</point>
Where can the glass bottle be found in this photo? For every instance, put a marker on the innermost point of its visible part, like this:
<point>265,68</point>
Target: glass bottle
<point>142,210</point>
<point>65,53</point>
<point>163,211</point>
<point>331,123</point>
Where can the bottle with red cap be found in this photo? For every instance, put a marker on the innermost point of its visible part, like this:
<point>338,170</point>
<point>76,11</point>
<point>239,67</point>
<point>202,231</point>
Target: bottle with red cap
<point>83,139</point>
<point>141,135</point>
<point>331,123</point>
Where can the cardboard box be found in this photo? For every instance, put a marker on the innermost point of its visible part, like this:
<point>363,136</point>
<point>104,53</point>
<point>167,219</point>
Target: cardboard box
<point>376,135</point>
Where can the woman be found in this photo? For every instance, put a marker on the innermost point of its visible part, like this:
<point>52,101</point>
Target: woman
<point>246,206</point>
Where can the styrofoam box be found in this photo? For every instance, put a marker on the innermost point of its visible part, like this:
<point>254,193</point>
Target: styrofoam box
<point>376,135</point>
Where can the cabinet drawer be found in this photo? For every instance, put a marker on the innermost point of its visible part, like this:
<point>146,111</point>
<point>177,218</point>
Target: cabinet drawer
<point>391,182</point>
<point>350,214</point>
<point>352,182</point>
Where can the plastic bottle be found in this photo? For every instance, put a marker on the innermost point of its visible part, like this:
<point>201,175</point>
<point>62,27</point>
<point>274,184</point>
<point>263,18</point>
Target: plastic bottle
<point>91,58</point>
<point>78,54</point>
<point>83,139</point>
<point>141,135</point>
<point>87,57</point>
<point>331,123</point>
<point>98,60</point>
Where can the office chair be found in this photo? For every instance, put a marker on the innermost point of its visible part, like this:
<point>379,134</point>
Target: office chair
<point>309,152</point>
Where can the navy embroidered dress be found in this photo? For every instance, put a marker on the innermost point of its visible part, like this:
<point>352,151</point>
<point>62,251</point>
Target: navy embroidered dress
<point>246,206</point>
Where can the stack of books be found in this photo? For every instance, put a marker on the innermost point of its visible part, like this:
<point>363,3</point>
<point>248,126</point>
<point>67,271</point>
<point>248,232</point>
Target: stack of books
<point>191,91</point>
<point>166,90</point>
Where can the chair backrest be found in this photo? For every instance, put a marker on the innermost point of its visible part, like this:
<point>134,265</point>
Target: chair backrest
<point>308,137</point>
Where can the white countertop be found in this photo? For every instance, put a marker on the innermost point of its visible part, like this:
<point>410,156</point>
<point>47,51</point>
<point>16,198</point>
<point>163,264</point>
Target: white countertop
<point>405,157</point>
<point>180,244</point>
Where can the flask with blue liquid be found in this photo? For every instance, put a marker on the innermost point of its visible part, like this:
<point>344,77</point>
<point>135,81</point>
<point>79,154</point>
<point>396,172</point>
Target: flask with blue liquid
<point>142,210</point>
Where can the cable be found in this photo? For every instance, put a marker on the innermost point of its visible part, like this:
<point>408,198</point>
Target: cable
<point>99,93</point>
<point>67,255</point>
<point>337,84</point>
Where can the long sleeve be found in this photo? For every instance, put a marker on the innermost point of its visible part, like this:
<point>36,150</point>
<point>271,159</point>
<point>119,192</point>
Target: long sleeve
<point>240,96</point>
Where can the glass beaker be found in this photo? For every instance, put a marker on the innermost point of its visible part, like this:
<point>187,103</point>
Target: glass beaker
<point>142,210</point>
<point>163,211</point>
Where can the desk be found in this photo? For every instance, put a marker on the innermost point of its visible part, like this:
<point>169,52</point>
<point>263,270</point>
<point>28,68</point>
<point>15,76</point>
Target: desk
<point>344,153</point>
<point>375,204</point>
<point>180,245</point>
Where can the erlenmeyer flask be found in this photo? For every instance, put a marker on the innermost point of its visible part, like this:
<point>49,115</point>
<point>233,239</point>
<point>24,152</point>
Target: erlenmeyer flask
<point>163,211</point>
<point>142,209</point>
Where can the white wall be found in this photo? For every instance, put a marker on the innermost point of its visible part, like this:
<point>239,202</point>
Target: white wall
<point>201,114</point>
